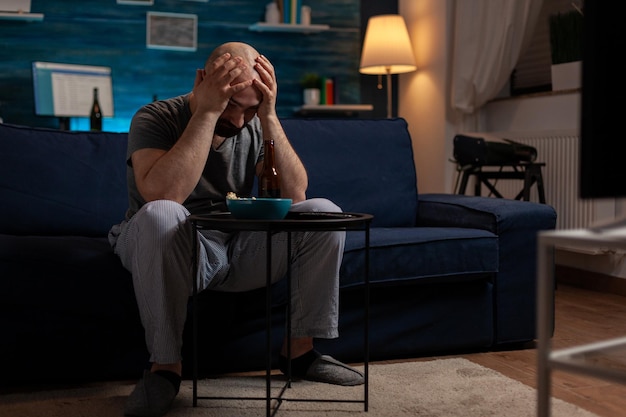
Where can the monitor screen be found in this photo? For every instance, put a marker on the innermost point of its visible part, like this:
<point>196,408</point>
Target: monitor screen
<point>603,147</point>
<point>66,90</point>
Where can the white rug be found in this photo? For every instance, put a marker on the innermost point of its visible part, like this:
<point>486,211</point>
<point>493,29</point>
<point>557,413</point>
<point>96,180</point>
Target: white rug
<point>438,388</point>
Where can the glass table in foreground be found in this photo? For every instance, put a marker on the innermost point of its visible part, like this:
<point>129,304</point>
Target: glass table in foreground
<point>604,359</point>
<point>293,222</point>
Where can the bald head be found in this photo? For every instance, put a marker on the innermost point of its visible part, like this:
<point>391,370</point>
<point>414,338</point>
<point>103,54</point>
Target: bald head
<point>242,105</point>
<point>243,50</point>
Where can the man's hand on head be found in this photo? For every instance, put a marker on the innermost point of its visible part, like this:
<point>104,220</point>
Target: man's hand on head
<point>213,86</point>
<point>267,85</point>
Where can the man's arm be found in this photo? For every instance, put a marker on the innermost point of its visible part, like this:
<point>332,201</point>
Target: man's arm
<point>174,174</point>
<point>294,180</point>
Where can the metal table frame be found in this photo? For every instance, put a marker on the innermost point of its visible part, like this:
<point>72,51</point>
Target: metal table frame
<point>571,359</point>
<point>295,221</point>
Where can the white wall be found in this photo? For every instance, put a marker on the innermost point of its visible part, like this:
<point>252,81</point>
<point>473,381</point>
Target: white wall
<point>546,112</point>
<point>423,94</point>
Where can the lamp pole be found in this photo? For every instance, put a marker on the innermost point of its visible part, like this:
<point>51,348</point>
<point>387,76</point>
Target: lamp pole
<point>388,70</point>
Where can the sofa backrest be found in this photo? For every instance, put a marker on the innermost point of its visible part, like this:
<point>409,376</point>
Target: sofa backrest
<point>61,182</point>
<point>363,165</point>
<point>74,183</point>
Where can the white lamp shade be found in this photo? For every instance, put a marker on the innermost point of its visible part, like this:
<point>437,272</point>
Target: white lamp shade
<point>387,47</point>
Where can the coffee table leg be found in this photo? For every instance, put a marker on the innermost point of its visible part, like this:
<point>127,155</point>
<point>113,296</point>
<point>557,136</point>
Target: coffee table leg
<point>545,286</point>
<point>366,342</point>
<point>268,325</point>
<point>194,274</point>
<point>289,309</point>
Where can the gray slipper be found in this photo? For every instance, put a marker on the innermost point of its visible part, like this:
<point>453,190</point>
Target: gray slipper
<point>331,371</point>
<point>152,397</point>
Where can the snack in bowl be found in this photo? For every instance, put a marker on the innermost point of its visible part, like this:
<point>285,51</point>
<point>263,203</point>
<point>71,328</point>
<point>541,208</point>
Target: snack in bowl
<point>232,196</point>
<point>257,208</point>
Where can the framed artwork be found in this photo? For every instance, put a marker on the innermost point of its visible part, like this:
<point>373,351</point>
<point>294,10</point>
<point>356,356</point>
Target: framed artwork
<point>137,2</point>
<point>173,31</point>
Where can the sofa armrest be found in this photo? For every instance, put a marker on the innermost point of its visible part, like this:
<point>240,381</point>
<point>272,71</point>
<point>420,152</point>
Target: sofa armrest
<point>496,215</point>
<point>516,223</point>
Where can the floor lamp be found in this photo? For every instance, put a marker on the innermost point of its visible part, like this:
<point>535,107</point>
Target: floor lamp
<point>387,50</point>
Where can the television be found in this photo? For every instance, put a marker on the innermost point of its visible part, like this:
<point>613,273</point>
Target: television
<point>602,138</point>
<point>66,90</point>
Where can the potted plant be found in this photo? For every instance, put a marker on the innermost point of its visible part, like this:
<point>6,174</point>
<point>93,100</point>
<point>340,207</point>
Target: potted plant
<point>566,48</point>
<point>310,83</point>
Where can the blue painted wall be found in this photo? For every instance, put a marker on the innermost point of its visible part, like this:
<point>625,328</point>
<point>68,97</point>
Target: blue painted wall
<point>101,32</point>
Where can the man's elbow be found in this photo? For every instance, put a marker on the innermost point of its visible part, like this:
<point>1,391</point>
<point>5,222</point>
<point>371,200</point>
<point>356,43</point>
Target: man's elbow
<point>161,194</point>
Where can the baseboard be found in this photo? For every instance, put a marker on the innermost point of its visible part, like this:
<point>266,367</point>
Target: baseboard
<point>590,280</point>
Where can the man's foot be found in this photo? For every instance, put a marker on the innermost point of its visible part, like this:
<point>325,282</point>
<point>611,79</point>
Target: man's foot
<point>313,366</point>
<point>153,394</point>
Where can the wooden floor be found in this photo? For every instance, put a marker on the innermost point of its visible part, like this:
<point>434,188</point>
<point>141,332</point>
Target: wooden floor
<point>582,316</point>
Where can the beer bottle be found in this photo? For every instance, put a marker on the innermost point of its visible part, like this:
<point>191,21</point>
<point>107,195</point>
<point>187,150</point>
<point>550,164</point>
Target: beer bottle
<point>269,182</point>
<point>95,117</point>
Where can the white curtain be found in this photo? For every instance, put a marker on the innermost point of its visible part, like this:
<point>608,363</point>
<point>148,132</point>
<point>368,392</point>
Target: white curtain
<point>489,36</point>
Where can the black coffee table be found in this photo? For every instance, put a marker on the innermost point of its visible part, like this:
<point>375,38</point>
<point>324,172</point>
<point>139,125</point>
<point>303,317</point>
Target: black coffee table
<point>294,222</point>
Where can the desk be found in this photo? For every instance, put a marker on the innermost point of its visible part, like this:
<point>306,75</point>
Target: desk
<point>604,359</point>
<point>295,221</point>
<point>529,172</point>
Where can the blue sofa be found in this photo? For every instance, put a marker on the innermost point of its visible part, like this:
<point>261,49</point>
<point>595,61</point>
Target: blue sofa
<point>449,273</point>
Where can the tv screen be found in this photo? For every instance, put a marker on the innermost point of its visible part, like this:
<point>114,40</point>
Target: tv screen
<point>66,90</point>
<point>602,140</point>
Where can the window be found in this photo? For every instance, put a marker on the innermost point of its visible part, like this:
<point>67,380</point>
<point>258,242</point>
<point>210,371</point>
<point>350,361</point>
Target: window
<point>532,72</point>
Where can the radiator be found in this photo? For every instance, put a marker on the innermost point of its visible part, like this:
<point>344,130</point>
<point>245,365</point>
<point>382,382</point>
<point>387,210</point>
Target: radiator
<point>559,150</point>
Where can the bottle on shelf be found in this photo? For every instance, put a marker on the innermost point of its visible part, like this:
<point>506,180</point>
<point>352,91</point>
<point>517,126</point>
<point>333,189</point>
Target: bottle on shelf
<point>269,181</point>
<point>305,15</point>
<point>95,117</point>
<point>272,15</point>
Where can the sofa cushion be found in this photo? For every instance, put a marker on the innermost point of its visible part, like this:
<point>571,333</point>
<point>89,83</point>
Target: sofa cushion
<point>61,182</point>
<point>426,253</point>
<point>70,297</point>
<point>79,272</point>
<point>338,169</point>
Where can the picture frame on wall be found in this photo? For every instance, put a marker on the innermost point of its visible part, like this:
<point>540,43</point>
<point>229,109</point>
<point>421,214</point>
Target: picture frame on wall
<point>172,31</point>
<point>137,2</point>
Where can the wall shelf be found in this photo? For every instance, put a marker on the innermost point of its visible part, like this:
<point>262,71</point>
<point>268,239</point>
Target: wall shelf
<point>287,27</point>
<point>26,17</point>
<point>333,110</point>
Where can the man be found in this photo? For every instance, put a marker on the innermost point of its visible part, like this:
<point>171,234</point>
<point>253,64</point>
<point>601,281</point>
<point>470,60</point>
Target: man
<point>184,155</point>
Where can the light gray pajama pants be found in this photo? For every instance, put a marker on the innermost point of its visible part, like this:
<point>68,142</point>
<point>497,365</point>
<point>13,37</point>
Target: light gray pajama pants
<point>155,246</point>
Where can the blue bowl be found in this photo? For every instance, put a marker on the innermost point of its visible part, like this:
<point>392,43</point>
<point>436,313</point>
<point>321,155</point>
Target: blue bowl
<point>259,208</point>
